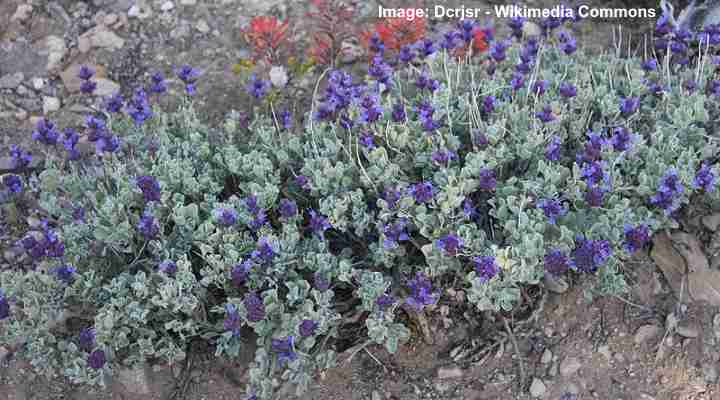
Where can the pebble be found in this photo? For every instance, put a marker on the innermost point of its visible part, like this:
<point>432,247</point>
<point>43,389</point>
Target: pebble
<point>537,388</point>
<point>546,357</point>
<point>605,351</point>
<point>569,366</point>
<point>376,395</point>
<point>167,6</point>
<point>50,104</point>
<point>22,12</point>
<point>449,373</point>
<point>11,81</point>
<point>202,26</point>
<point>38,83</point>
<point>711,222</point>
<point>105,87</point>
<point>188,2</point>
<point>110,19</point>
<point>710,372</point>
<point>530,28</point>
<point>688,331</point>
<point>646,333</point>
<point>555,285</point>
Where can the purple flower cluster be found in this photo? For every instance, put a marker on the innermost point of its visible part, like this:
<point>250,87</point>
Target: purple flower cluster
<point>138,107</point>
<point>240,273</point>
<point>232,322</point>
<point>158,84</point>
<point>629,105</point>
<point>148,226</point>
<point>704,178</point>
<point>254,307</point>
<point>488,179</point>
<point>264,252</point>
<point>589,254</point>
<point>394,233</point>
<point>87,86</point>
<point>318,223</point>
<point>552,149</point>
<point>384,301</point>
<point>114,104</point>
<point>167,267</point>
<point>391,195</point>
<point>70,142</point>
<point>370,109</point>
<point>668,192</point>
<point>552,208</point>
<point>621,139</point>
<point>442,157</point>
<point>96,359</point>
<point>283,347</point>
<point>65,273</point>
<point>425,112</point>
<point>46,132</point>
<point>421,292</point>
<point>488,104</point>
<point>422,192</point>
<point>257,213</point>
<point>257,87</point>
<point>566,42</point>
<point>150,188</point>
<point>225,216</point>
<point>339,93</point>
<point>515,24</point>
<point>4,306</point>
<point>86,339</point>
<point>19,158</point>
<point>380,70</point>
<point>189,76</point>
<point>539,87</point>
<point>498,50</point>
<point>424,81</point>
<point>636,237</point>
<point>307,327</point>
<point>13,183</point>
<point>485,267</point>
<point>303,182</point>
<point>567,90</point>
<point>47,244</point>
<point>556,262</point>
<point>546,115</point>
<point>592,148</point>
<point>367,139</point>
<point>398,114</point>
<point>450,244</point>
<point>288,209</point>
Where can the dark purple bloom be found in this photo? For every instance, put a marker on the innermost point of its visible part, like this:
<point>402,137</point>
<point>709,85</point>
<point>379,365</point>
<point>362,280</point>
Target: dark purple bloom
<point>78,214</point>
<point>13,183</point>
<point>469,208</point>
<point>552,149</point>
<point>479,139</point>
<point>288,208</point>
<point>567,42</point>
<point>621,139</point>
<point>523,68</point>
<point>283,347</point>
<point>148,226</point>
<point>168,267</point>
<point>485,267</point>
<point>450,244</point>
<point>425,112</point>
<point>225,216</point>
<point>346,122</point>
<point>96,359</point>
<point>376,45</point>
<point>423,192</point>
<point>264,251</point>
<point>713,88</point>
<point>86,338</point>
<point>302,181</point>
<point>488,104</point>
<point>567,90</point>
<point>320,282</point>
<point>138,107</point>
<point>451,39</point>
<point>556,262</point>
<point>488,179</point>
<point>69,142</point>
<point>95,127</point>
<point>497,50</point>
<point>424,81</point>
<point>318,223</point>
<point>150,187</point>
<point>158,84</point>
<point>254,307</point>
<point>421,292</point>
<point>425,47</point>
<point>366,138</point>
<point>391,195</point>
<point>370,109</point>
<point>663,25</point>
<point>398,113</point>
<point>285,118</point>
<point>45,132</point>
<point>65,273</point>
<point>690,85</point>
<point>257,87</point>
<point>240,272</point>
<point>594,195</point>
<point>380,70</point>
<point>107,144</point>
<point>516,24</point>
<point>629,105</point>
<point>232,322</point>
<point>395,233</point>
<point>85,72</point>
<point>666,196</point>
<point>539,87</point>
<point>307,327</point>
<point>650,64</point>
<point>593,173</point>
<point>189,76</point>
<point>636,237</point>
<point>592,148</point>
<point>4,306</point>
<point>552,208</point>
<point>546,115</point>
<point>443,157</point>
<point>114,103</point>
<point>384,301</point>
<point>19,158</point>
<point>88,87</point>
<point>406,53</point>
<point>466,28</point>
<point>589,254</point>
<point>517,80</point>
<point>704,178</point>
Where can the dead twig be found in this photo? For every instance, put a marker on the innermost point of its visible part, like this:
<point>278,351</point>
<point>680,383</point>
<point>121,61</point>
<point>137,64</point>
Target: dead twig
<point>521,364</point>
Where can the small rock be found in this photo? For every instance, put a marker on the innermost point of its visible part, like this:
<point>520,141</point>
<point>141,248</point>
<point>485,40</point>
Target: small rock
<point>22,12</point>
<point>376,395</point>
<point>104,38</point>
<point>50,104</point>
<point>188,2</point>
<point>134,11</point>
<point>710,372</point>
<point>55,49</point>
<point>605,351</point>
<point>537,388</point>
<point>645,396</point>
<point>110,19</point>
<point>555,284</point>
<point>688,331</point>
<point>569,366</point>
<point>134,379</point>
<point>202,26</point>
<point>167,6</point>
<point>646,333</point>
<point>546,357</point>
<point>105,87</point>
<point>716,326</point>
<point>11,81</point>
<point>84,44</point>
<point>711,222</point>
<point>21,115</point>
<point>449,373</point>
<point>38,83</point>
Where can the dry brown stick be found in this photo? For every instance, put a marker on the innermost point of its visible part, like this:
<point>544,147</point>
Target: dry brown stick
<point>517,351</point>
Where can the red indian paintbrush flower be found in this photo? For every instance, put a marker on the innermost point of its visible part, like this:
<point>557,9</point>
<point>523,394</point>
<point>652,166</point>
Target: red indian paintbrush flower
<point>396,32</point>
<point>267,35</point>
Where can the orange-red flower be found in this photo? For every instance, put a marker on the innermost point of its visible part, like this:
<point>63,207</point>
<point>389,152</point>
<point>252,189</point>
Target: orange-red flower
<point>479,43</point>
<point>396,32</point>
<point>266,35</point>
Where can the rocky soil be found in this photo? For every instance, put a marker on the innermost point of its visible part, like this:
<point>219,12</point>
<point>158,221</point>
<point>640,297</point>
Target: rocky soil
<point>660,342</point>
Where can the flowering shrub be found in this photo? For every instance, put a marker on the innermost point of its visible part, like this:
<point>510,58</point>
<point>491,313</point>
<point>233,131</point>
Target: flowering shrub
<point>534,161</point>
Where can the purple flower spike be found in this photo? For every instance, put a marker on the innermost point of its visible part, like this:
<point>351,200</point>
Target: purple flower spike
<point>225,216</point>
<point>589,254</point>
<point>421,292</point>
<point>307,327</point>
<point>158,83</point>
<point>423,192</point>
<point>254,306</point>
<point>552,149</point>
<point>318,223</point>
<point>704,178</point>
<point>96,359</point>
<point>85,72</point>
<point>450,244</point>
<point>148,226</point>
<point>567,90</point>
<point>65,273</point>
<point>488,179</point>
<point>4,306</point>
<point>546,115</point>
<point>556,262</point>
<point>283,347</point>
<point>167,267</point>
<point>287,208</point>
<point>240,272</point>
<point>86,339</point>
<point>629,105</point>
<point>232,322</point>
<point>552,208</point>
<point>13,183</point>
<point>19,157</point>
<point>395,233</point>
<point>189,76</point>
<point>150,188</point>
<point>485,267</point>
<point>636,237</point>
<point>257,88</point>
